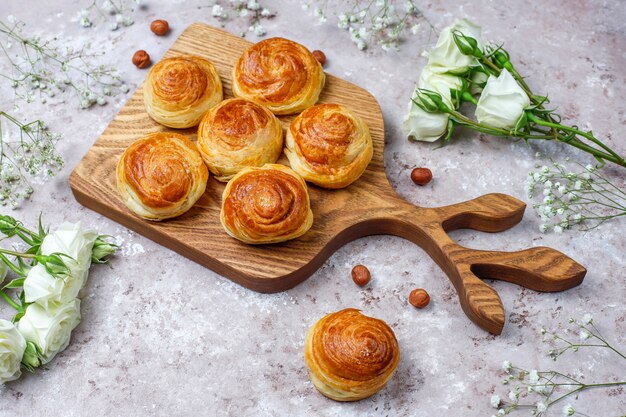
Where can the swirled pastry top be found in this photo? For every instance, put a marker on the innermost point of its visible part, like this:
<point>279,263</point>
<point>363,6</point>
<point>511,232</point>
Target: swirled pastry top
<point>179,90</point>
<point>350,356</point>
<point>280,74</point>
<point>266,205</point>
<point>329,145</point>
<point>161,175</point>
<point>238,133</point>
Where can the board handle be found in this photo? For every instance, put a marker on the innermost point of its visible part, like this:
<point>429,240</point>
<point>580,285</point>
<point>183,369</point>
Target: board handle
<point>540,268</point>
<point>488,213</point>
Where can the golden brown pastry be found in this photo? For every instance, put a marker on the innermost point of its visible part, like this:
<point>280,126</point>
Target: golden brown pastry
<point>350,356</point>
<point>280,74</point>
<point>238,133</point>
<point>266,205</point>
<point>178,91</point>
<point>329,145</point>
<point>161,176</point>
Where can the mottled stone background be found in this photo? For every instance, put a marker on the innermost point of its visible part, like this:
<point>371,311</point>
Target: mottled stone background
<point>161,335</point>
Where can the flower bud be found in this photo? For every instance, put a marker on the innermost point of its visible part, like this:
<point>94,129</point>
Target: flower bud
<point>32,357</point>
<point>466,44</point>
<point>102,249</point>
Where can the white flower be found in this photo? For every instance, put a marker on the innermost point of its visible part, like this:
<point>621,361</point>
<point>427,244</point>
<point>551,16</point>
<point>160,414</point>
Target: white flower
<point>562,189</point>
<point>265,12</point>
<point>415,29</point>
<point>259,30</point>
<point>253,5</point>
<point>590,168</point>
<point>587,318</point>
<point>50,329</point>
<point>558,229</point>
<point>513,396</point>
<point>440,83</point>
<point>507,366</point>
<point>533,376</point>
<point>107,6</point>
<point>73,241</point>
<point>85,22</point>
<point>479,79</point>
<point>584,335</point>
<point>424,126</point>
<point>541,407</point>
<point>543,228</point>
<point>40,287</point>
<point>568,410</point>
<point>12,19</point>
<point>495,401</point>
<point>502,102</point>
<point>216,11</point>
<point>446,56</point>
<point>12,347</point>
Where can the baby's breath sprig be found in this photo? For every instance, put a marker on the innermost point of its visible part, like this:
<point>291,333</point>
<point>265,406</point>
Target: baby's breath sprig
<point>251,10</point>
<point>372,22</point>
<point>27,151</point>
<point>584,198</point>
<point>114,13</point>
<point>551,387</point>
<point>44,68</point>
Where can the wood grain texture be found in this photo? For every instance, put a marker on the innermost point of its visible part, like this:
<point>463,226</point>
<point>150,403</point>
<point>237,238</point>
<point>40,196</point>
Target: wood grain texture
<point>370,206</point>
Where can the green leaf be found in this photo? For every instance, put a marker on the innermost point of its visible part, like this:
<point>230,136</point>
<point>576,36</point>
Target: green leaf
<point>16,283</point>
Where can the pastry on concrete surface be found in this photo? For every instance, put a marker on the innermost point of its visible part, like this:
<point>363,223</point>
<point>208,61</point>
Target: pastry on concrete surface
<point>161,175</point>
<point>269,204</point>
<point>350,356</point>
<point>179,90</point>
<point>238,133</point>
<point>329,145</point>
<point>281,74</point>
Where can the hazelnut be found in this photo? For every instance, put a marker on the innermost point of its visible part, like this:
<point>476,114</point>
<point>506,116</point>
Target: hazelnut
<point>421,176</point>
<point>361,275</point>
<point>141,59</point>
<point>320,56</point>
<point>160,27</point>
<point>419,298</point>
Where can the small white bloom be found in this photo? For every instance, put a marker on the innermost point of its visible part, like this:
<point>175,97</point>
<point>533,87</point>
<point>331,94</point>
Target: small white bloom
<point>107,6</point>
<point>305,6</point>
<point>119,18</point>
<point>587,318</point>
<point>578,185</point>
<point>12,19</point>
<point>590,168</point>
<point>253,5</point>
<point>12,347</point>
<point>541,407</point>
<point>544,228</point>
<point>558,229</point>
<point>513,396</point>
<point>124,88</point>
<point>584,334</point>
<point>259,30</point>
<point>502,102</point>
<point>361,45</point>
<point>533,376</point>
<point>265,12</point>
<point>217,10</point>
<point>101,101</point>
<point>127,21</point>
<point>568,410</point>
<point>501,412</point>
<point>113,26</point>
<point>547,184</point>
<point>562,189</point>
<point>507,366</point>
<point>85,22</point>
<point>50,329</point>
<point>415,29</point>
<point>495,401</point>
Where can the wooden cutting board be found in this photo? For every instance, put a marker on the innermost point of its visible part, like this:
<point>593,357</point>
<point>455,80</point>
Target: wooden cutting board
<point>370,206</point>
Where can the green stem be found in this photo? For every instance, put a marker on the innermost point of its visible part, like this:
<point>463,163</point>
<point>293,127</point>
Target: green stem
<point>586,386</point>
<point>10,301</point>
<point>18,254</point>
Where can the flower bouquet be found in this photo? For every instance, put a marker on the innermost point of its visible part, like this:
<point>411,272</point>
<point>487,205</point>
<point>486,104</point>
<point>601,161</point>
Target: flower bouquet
<point>460,67</point>
<point>50,274</point>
